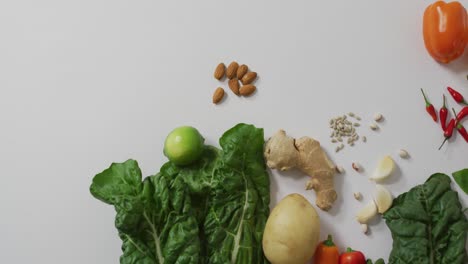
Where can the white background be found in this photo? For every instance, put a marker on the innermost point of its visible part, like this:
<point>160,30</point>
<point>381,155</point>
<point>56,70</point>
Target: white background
<point>85,83</point>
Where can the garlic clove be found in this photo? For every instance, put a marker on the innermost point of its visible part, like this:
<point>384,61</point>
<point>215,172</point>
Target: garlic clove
<point>364,228</point>
<point>384,169</point>
<point>383,198</point>
<point>367,213</point>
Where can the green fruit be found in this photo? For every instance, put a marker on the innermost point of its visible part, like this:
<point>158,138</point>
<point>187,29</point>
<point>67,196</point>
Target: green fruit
<point>183,145</point>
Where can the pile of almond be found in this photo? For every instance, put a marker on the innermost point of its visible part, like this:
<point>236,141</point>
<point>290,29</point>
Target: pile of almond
<point>235,74</point>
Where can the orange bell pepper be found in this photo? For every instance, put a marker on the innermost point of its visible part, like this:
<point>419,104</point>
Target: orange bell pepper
<point>326,252</point>
<point>445,29</point>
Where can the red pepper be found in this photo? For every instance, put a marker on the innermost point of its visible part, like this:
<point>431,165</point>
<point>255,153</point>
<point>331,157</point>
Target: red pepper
<point>327,252</point>
<point>429,107</point>
<point>352,257</point>
<point>461,129</point>
<point>443,112</point>
<point>462,114</point>
<point>448,131</point>
<point>457,96</point>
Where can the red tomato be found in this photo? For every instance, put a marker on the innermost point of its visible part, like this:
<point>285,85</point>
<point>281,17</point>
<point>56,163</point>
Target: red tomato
<point>352,257</point>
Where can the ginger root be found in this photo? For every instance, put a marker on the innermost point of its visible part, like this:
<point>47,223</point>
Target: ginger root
<point>283,152</point>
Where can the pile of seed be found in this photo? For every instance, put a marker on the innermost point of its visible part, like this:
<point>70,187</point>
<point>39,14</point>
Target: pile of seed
<point>344,130</point>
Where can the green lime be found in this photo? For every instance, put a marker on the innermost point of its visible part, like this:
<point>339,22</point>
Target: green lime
<point>183,145</point>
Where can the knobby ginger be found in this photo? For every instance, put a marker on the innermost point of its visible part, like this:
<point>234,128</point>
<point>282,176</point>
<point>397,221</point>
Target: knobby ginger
<point>283,153</point>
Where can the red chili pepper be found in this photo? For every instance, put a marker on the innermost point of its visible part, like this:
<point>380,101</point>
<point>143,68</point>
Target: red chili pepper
<point>457,96</point>
<point>462,114</point>
<point>448,132</point>
<point>429,107</point>
<point>461,129</point>
<point>443,112</point>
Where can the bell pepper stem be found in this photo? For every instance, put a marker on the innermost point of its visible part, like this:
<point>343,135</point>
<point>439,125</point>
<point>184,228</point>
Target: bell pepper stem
<point>329,241</point>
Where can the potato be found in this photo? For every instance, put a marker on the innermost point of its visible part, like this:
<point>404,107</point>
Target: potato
<point>292,231</point>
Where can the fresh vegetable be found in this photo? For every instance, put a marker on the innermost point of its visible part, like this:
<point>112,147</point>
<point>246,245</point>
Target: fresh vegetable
<point>283,152</point>
<point>429,107</point>
<point>462,131</point>
<point>383,198</point>
<point>364,228</point>
<point>327,252</point>
<point>443,113</point>
<point>183,145</point>
<point>462,114</point>
<point>367,213</point>
<point>384,169</point>
<point>379,261</point>
<point>456,96</point>
<point>291,232</point>
<point>212,211</point>
<point>445,30</point>
<point>352,257</point>
<point>448,131</point>
<point>461,178</point>
<point>428,224</point>
<point>460,128</point>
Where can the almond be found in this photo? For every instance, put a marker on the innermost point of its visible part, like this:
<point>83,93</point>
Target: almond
<point>234,85</point>
<point>241,71</point>
<point>218,95</point>
<point>220,70</point>
<point>249,78</point>
<point>247,90</point>
<point>232,70</point>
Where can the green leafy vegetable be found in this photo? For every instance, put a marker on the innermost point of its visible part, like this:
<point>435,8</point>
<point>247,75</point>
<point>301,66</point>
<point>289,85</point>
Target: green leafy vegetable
<point>212,211</point>
<point>379,261</point>
<point>428,225</point>
<point>461,178</point>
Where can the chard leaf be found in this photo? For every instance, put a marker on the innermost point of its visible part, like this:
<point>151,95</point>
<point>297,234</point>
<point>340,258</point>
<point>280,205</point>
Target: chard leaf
<point>154,217</point>
<point>428,225</point>
<point>212,211</point>
<point>461,178</point>
<point>239,206</point>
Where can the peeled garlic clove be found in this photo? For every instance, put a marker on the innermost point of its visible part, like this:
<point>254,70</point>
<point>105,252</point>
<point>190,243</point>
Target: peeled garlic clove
<point>367,213</point>
<point>383,198</point>
<point>384,169</point>
<point>364,228</point>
